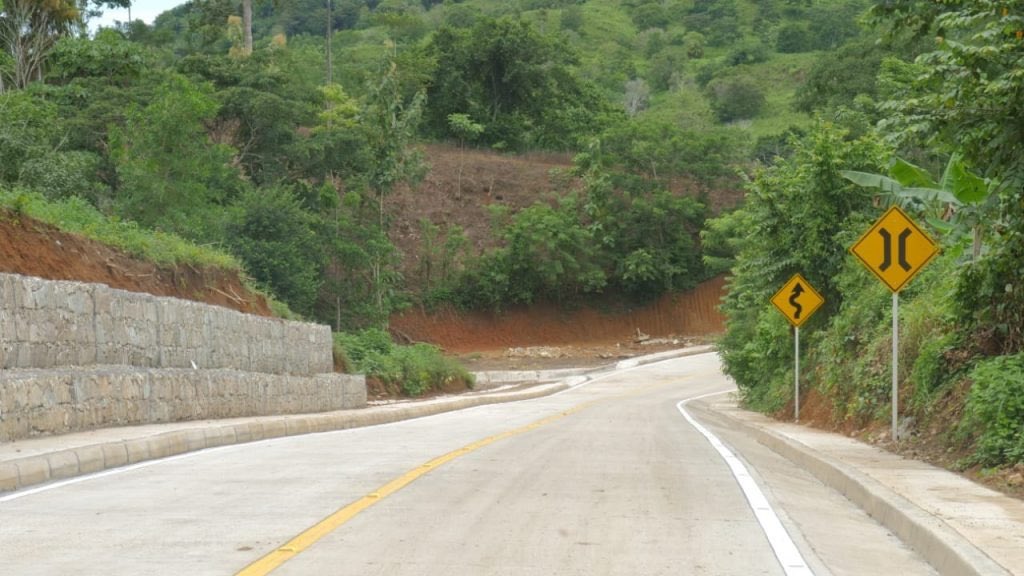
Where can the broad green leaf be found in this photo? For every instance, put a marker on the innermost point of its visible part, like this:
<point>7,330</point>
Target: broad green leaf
<point>869,180</point>
<point>940,225</point>
<point>969,188</point>
<point>930,194</point>
<point>909,175</point>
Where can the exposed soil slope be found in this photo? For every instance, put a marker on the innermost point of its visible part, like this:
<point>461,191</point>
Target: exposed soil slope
<point>462,183</point>
<point>543,337</point>
<point>689,315</point>
<point>458,189</point>
<point>31,248</point>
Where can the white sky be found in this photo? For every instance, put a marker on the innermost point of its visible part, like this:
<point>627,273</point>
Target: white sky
<point>146,10</point>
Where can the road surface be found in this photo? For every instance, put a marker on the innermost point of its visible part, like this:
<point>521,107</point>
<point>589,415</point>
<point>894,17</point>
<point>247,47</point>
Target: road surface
<point>606,478</point>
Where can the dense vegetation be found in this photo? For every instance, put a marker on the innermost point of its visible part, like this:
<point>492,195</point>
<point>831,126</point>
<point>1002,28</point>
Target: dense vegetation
<point>411,370</point>
<point>937,131</point>
<point>259,139</point>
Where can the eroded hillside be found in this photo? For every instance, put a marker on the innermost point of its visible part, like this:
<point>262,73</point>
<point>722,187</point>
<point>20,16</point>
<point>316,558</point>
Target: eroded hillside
<point>32,248</point>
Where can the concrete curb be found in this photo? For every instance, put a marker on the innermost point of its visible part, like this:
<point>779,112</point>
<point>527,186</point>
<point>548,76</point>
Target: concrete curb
<point>19,473</point>
<point>24,472</point>
<point>492,378</point>
<point>939,544</point>
<point>667,355</point>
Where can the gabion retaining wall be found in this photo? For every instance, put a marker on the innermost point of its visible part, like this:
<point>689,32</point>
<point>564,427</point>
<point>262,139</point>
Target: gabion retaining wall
<point>76,356</point>
<point>53,324</point>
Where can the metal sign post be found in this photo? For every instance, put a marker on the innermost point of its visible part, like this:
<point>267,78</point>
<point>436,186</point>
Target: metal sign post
<point>796,378</point>
<point>895,249</point>
<point>797,300</point>
<point>895,363</point>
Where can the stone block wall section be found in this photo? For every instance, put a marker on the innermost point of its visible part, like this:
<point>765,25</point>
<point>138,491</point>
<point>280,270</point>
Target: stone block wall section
<point>48,324</point>
<point>77,356</point>
<point>46,402</point>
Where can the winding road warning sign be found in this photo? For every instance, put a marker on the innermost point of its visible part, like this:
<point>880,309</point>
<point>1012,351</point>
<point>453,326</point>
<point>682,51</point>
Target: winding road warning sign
<point>797,300</point>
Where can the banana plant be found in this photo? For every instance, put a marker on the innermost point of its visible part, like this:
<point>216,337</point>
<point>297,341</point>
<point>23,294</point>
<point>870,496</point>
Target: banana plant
<point>960,201</point>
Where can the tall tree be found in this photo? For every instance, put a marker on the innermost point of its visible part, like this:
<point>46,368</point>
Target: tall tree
<point>89,9</point>
<point>330,53</point>
<point>28,31</point>
<point>390,123</point>
<point>512,79</point>
<point>172,176</point>
<point>247,26</point>
<point>966,97</point>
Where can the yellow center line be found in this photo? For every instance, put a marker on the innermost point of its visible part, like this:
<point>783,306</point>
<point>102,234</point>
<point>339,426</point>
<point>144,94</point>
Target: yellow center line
<point>306,539</point>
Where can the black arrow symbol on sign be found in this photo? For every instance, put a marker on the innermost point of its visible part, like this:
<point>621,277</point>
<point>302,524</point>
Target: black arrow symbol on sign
<point>901,249</point>
<point>886,249</point>
<point>901,257</point>
<point>797,291</point>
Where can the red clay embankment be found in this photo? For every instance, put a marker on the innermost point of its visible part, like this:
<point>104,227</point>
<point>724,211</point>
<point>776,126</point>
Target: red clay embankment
<point>689,314</point>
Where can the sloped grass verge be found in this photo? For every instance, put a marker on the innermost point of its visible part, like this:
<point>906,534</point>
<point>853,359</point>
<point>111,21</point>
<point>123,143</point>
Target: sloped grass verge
<point>75,215</point>
<point>410,370</point>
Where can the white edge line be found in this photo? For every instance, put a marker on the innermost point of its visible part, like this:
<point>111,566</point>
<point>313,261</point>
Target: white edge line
<point>789,557</point>
<point>145,464</point>
<point>109,472</point>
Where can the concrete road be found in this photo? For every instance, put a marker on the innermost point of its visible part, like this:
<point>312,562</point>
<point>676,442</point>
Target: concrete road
<point>606,478</point>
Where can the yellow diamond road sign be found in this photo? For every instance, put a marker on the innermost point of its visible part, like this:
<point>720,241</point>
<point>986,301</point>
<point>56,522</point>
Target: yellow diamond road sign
<point>797,300</point>
<point>895,249</point>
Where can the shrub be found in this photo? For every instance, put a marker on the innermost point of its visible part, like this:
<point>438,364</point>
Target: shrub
<point>27,130</point>
<point>718,20</point>
<point>836,26</point>
<point>486,282</point>
<point>412,369</point>
<point>799,216</point>
<point>276,238</point>
<point>929,370</point>
<point>422,367</point>
<point>995,411</point>
<point>65,174</point>
<point>708,72</point>
<point>361,347</point>
<point>735,99</point>
<point>748,52</point>
<point>771,146</point>
<point>793,38</point>
<point>694,43</point>
<point>665,71</point>
<point>838,78</point>
<point>650,15</point>
<point>548,254</point>
<point>572,18</point>
<point>342,363</point>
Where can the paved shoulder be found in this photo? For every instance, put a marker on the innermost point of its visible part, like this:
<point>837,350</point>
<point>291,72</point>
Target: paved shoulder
<point>960,527</point>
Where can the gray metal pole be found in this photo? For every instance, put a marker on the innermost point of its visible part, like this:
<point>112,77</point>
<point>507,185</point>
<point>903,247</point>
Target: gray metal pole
<point>895,362</point>
<point>796,378</point>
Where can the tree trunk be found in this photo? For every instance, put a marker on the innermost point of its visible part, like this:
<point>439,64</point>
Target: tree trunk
<point>330,32</point>
<point>247,26</point>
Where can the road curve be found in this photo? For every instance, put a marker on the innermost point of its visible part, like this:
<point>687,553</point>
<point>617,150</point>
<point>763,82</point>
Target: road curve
<point>605,478</point>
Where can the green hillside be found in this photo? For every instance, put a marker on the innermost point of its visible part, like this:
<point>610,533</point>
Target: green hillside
<point>283,154</point>
<point>664,54</point>
<point>176,127</point>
